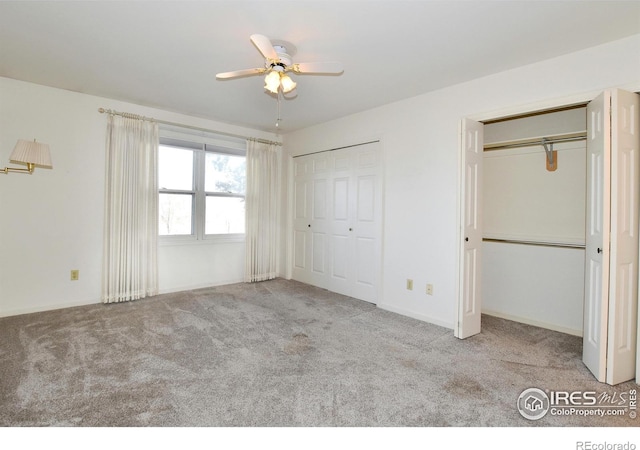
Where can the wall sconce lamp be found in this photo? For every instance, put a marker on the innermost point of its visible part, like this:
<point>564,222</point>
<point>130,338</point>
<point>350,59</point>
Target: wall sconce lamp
<point>33,154</point>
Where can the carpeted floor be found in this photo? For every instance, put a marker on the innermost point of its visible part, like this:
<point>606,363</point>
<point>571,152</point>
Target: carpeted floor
<point>277,353</point>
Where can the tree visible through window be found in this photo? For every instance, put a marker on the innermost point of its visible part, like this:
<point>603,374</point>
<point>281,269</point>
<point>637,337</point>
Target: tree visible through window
<point>202,190</point>
<point>225,173</point>
<point>225,185</point>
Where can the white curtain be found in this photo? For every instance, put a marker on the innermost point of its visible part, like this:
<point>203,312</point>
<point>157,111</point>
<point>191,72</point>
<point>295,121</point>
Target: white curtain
<point>262,210</point>
<point>130,265</point>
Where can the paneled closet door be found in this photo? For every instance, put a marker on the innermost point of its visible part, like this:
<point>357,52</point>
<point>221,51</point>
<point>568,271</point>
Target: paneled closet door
<point>302,183</point>
<point>598,211</point>
<point>366,220</point>
<point>310,240</point>
<point>469,305</point>
<point>341,210</point>
<point>337,220</point>
<point>320,168</point>
<point>611,271</point>
<point>623,279</point>
<point>356,217</point>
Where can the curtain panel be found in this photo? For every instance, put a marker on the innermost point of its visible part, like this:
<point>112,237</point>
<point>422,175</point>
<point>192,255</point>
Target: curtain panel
<point>262,210</point>
<point>130,264</point>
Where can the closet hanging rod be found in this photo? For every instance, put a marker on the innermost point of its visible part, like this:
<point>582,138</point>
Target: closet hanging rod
<point>175,124</point>
<point>569,138</point>
<point>540,244</point>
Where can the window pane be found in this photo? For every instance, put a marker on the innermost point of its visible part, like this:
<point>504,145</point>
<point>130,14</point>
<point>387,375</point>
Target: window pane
<point>225,173</point>
<point>175,168</point>
<point>224,215</point>
<point>175,214</point>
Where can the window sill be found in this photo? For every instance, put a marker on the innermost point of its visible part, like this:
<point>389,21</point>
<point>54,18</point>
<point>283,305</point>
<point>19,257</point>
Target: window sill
<point>208,240</point>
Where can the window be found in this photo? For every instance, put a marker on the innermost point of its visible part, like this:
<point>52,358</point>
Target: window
<point>177,190</point>
<point>225,178</point>
<point>201,189</point>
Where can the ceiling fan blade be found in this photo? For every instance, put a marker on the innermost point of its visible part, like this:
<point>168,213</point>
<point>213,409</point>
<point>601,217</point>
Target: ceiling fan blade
<point>331,67</point>
<point>264,46</point>
<point>240,73</point>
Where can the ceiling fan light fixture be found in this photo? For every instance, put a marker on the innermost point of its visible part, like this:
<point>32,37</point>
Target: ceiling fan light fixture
<point>287,84</point>
<point>272,82</point>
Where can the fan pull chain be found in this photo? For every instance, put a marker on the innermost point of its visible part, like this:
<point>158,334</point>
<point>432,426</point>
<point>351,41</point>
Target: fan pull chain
<point>278,120</point>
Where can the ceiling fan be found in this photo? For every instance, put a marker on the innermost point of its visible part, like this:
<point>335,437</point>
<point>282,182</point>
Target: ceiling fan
<point>277,63</point>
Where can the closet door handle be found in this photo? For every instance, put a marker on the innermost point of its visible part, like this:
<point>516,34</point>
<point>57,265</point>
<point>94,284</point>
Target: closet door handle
<point>466,239</point>
<point>350,229</point>
<point>309,225</point>
<point>599,250</point>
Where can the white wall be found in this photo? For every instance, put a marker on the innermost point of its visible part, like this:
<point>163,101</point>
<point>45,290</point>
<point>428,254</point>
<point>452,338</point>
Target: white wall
<point>541,286</point>
<point>52,221</point>
<point>420,143</point>
<point>522,200</point>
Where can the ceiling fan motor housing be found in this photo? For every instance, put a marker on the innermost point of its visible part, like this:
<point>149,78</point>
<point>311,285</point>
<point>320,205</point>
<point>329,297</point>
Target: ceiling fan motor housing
<point>283,56</point>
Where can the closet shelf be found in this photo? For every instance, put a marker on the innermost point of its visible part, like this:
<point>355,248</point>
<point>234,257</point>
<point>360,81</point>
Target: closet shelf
<point>573,137</point>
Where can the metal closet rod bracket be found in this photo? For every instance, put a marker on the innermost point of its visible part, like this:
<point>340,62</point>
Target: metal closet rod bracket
<point>551,156</point>
<point>548,148</point>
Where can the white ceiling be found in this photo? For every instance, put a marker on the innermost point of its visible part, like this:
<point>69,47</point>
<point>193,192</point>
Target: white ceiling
<point>166,54</point>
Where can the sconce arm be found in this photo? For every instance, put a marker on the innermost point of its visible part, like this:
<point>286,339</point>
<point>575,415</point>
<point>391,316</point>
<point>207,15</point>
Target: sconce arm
<point>28,170</point>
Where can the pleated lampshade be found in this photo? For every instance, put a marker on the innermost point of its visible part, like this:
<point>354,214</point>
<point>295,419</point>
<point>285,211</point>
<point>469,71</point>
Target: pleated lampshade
<point>31,152</point>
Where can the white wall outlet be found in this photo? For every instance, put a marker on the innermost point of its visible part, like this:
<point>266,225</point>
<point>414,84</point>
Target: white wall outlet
<point>429,289</point>
<point>409,284</point>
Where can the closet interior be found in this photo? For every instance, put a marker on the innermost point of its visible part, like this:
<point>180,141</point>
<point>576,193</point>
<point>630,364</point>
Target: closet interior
<point>533,206</point>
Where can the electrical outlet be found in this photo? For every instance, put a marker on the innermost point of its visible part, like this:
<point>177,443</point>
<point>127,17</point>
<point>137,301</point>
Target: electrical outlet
<point>409,285</point>
<point>429,289</point>
<point>75,275</point>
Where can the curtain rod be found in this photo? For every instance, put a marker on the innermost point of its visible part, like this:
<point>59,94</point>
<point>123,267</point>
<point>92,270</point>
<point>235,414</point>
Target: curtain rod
<point>337,148</point>
<point>569,138</point>
<point>164,122</point>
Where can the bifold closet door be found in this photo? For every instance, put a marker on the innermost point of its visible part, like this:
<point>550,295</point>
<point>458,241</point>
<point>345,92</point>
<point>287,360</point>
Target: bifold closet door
<point>355,218</point>
<point>301,219</point>
<point>310,240</point>
<point>611,269</point>
<point>337,220</point>
<point>469,303</point>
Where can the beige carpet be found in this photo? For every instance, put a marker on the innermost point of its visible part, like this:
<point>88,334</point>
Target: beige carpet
<point>277,353</point>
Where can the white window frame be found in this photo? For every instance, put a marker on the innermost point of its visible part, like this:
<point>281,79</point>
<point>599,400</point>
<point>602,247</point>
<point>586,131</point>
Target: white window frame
<point>198,235</point>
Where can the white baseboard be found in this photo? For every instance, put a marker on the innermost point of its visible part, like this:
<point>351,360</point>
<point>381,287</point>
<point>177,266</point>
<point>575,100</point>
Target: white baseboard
<point>53,307</point>
<point>171,290</point>
<point>535,323</point>
<point>42,308</point>
<point>422,317</point>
